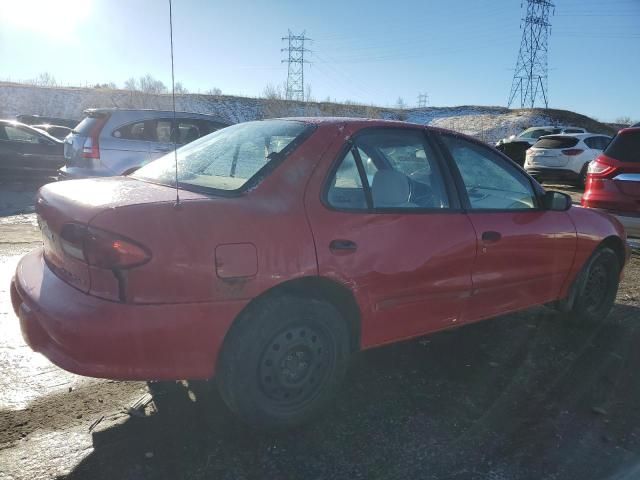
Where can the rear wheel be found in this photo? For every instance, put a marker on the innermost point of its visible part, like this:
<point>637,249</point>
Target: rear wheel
<point>283,361</point>
<point>596,288</point>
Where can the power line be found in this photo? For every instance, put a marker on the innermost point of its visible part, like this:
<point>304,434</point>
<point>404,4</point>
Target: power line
<point>530,76</point>
<point>295,60</point>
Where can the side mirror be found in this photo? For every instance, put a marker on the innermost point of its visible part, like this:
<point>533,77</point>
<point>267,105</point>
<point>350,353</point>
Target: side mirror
<point>556,201</point>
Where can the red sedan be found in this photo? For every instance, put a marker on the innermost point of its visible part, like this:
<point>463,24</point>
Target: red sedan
<point>293,244</point>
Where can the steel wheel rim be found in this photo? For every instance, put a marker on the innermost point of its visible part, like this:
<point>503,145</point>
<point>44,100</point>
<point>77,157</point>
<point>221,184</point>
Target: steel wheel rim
<point>294,365</point>
<point>596,287</point>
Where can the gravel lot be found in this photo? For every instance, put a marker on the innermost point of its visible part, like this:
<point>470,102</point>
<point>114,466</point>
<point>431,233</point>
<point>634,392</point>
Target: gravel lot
<point>523,396</point>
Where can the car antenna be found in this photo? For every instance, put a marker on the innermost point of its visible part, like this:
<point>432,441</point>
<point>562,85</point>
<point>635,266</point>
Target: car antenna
<point>173,98</point>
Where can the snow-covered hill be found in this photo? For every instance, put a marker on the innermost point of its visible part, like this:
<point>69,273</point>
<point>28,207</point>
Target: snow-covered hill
<point>486,123</point>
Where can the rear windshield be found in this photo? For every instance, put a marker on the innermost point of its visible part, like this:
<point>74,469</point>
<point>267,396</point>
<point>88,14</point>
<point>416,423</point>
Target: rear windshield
<point>87,123</point>
<point>625,147</point>
<point>535,133</point>
<point>227,159</point>
<point>556,142</point>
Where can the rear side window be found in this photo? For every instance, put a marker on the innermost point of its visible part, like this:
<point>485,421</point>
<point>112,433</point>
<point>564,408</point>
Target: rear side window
<point>396,169</point>
<point>556,142</point>
<point>625,147</point>
<point>135,131</point>
<point>15,134</point>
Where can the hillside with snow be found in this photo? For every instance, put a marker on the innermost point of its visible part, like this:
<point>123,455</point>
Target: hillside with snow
<point>486,123</point>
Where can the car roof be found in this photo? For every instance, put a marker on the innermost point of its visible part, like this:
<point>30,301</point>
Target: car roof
<point>163,112</point>
<point>576,135</point>
<point>555,126</point>
<point>354,121</point>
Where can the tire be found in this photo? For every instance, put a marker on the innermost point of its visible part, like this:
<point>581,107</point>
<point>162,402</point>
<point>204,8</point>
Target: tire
<point>582,179</point>
<point>596,288</point>
<point>283,361</point>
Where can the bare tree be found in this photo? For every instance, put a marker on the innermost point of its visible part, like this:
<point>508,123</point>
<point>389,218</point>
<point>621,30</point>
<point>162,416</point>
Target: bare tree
<point>307,94</point>
<point>148,84</point>
<point>131,84</point>
<point>626,120</point>
<point>181,89</point>
<point>273,92</point>
<point>400,104</point>
<point>45,79</point>
<point>215,91</point>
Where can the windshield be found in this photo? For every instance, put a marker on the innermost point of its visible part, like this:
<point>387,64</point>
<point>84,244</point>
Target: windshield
<point>226,159</point>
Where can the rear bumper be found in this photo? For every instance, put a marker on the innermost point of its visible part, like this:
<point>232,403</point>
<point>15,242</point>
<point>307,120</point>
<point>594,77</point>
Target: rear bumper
<point>98,338</point>
<point>559,174</point>
<point>630,224</point>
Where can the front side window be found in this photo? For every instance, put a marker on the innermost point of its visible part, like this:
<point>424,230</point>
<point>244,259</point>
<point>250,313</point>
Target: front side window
<point>226,159</point>
<point>491,182</point>
<point>394,168</point>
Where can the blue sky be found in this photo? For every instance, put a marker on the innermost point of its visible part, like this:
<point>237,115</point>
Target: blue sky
<point>459,52</point>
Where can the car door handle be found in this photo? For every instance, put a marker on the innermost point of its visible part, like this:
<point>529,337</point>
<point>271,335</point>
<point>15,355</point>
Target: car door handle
<point>342,246</point>
<point>491,237</point>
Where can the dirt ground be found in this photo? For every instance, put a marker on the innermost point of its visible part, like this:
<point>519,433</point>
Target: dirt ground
<point>523,396</point>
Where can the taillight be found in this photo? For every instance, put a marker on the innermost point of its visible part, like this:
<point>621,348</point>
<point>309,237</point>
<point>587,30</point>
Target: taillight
<point>100,248</point>
<point>599,169</point>
<point>91,147</point>
<point>572,151</point>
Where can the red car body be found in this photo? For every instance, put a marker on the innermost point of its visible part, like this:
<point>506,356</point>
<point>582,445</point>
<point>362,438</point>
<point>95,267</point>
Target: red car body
<point>211,256</point>
<point>613,180</point>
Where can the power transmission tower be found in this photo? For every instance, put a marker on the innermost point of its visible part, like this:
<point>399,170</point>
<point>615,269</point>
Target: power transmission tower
<point>530,76</point>
<point>296,61</point>
<point>423,99</point>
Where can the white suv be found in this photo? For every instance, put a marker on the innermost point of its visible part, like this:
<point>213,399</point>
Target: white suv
<point>564,158</point>
<point>531,135</point>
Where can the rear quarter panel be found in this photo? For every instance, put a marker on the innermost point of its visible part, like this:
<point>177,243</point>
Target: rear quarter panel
<point>269,220</point>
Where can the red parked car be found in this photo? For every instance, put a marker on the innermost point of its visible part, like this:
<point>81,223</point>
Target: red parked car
<point>613,180</point>
<point>295,243</point>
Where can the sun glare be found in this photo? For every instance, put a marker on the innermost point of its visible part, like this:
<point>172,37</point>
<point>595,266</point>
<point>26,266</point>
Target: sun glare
<point>52,18</point>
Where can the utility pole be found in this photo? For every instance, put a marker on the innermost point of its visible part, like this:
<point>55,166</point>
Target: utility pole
<point>295,59</point>
<point>423,99</point>
<point>530,76</point>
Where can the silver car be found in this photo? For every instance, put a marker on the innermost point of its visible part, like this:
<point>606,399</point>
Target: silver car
<point>110,141</point>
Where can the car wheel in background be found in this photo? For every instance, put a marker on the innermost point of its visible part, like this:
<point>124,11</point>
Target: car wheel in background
<point>596,287</point>
<point>582,180</point>
<point>283,361</point>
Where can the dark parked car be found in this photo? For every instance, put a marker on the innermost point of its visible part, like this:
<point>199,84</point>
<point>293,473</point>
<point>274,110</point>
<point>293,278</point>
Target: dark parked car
<point>516,150</point>
<point>40,120</point>
<point>298,242</point>
<point>27,152</point>
<point>58,131</point>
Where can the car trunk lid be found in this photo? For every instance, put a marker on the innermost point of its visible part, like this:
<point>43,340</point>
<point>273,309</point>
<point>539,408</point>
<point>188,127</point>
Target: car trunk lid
<point>76,203</point>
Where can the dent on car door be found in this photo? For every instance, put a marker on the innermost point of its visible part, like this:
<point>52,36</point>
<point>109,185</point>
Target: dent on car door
<point>390,229</point>
<point>524,252</point>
